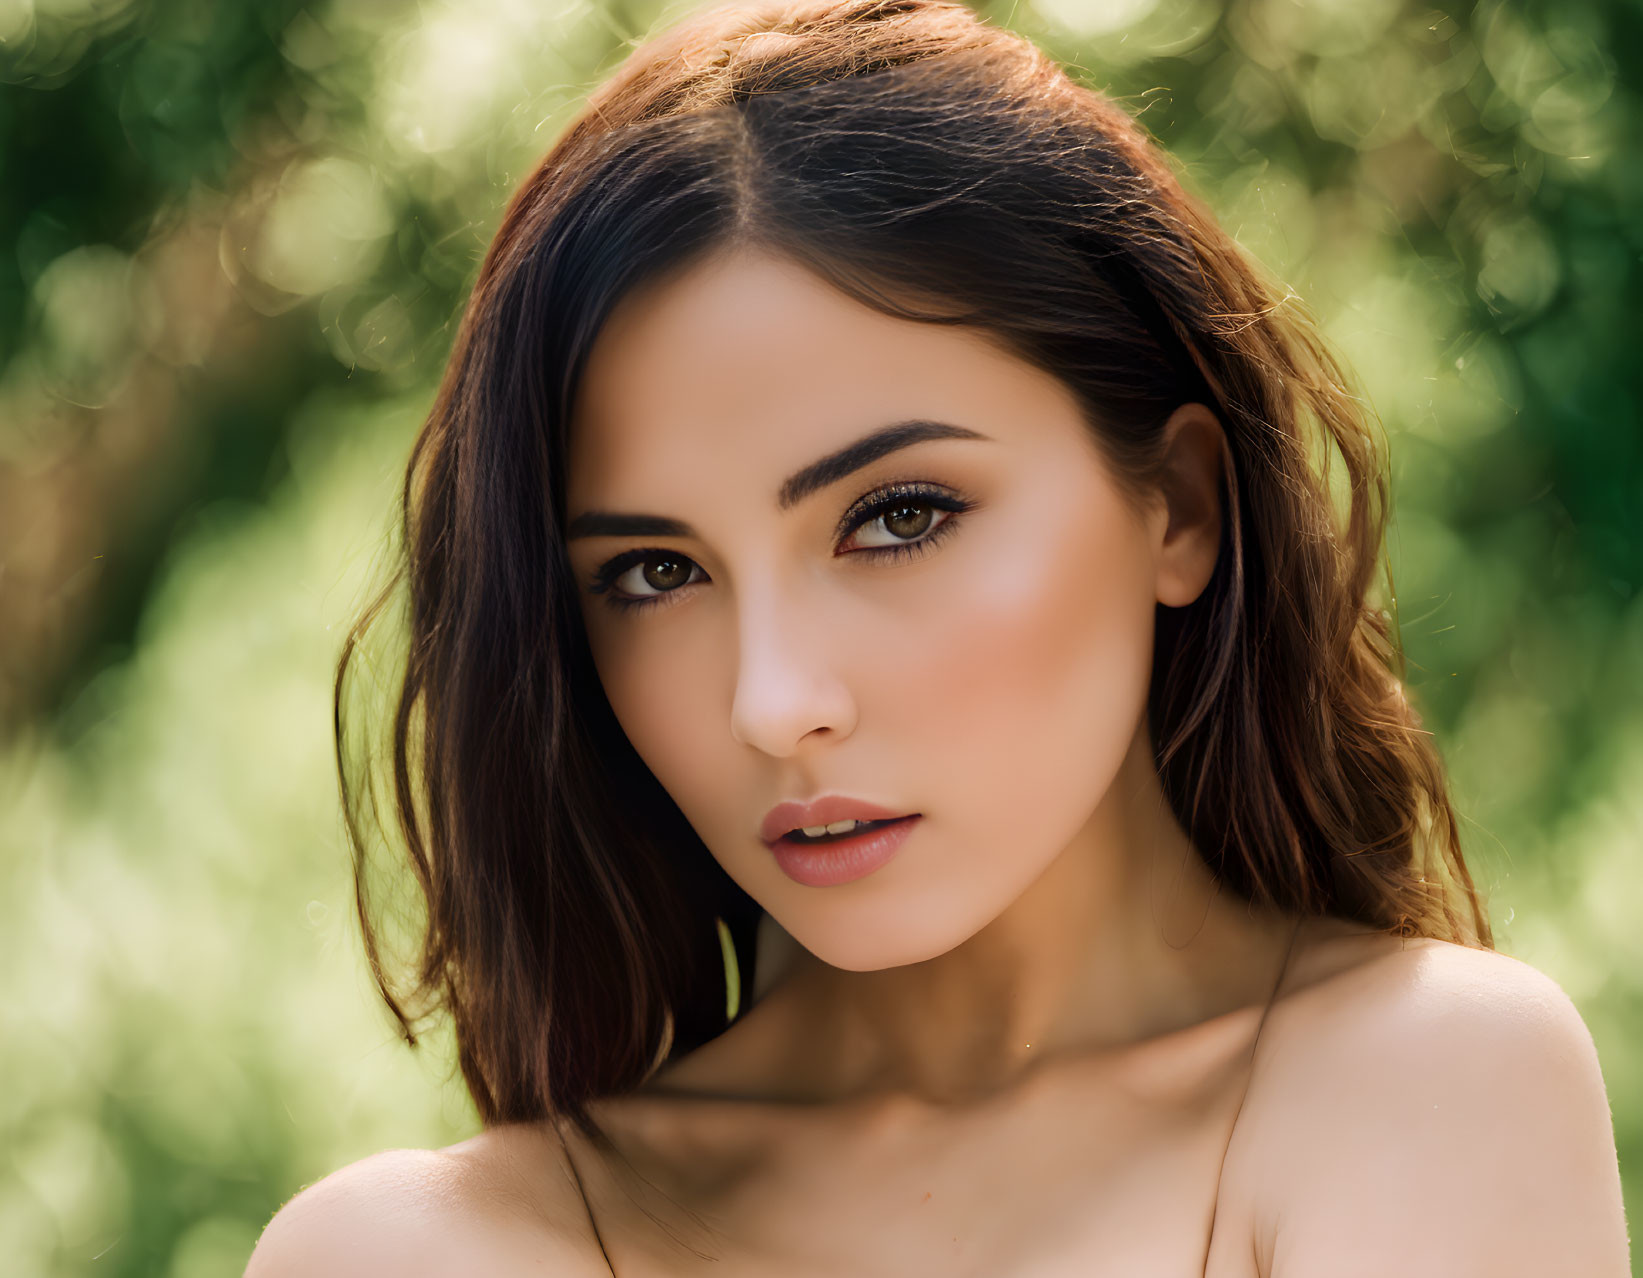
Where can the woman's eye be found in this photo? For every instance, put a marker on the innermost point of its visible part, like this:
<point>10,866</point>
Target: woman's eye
<point>903,519</point>
<point>627,577</point>
<point>904,523</point>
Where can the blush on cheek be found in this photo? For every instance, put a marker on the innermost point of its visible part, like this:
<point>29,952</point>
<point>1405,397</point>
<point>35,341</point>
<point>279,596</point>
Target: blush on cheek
<point>1035,691</point>
<point>1046,606</point>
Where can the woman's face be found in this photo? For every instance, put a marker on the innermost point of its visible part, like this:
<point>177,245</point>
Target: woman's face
<point>992,678</point>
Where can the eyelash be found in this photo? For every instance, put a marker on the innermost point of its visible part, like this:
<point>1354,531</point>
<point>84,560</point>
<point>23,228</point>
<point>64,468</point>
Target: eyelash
<point>877,503</point>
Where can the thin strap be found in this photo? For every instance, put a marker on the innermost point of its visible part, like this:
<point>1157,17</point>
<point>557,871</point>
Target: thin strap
<point>586,1205</point>
<point>1260,1025</point>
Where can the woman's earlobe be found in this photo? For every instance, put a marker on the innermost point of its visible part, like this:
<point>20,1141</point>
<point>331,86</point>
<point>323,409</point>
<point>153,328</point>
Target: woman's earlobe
<point>1190,484</point>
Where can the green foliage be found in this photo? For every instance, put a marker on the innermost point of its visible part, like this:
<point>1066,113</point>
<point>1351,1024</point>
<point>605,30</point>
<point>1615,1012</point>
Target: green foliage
<point>239,236</point>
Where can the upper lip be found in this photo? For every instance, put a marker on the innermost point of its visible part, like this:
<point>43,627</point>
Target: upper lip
<point>821,811</point>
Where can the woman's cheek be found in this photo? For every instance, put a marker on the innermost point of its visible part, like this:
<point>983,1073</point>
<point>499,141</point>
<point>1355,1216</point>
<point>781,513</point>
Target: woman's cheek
<point>1034,693</point>
<point>648,687</point>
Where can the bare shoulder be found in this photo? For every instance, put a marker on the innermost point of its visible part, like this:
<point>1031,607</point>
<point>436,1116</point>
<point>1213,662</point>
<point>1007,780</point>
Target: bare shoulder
<point>501,1203</point>
<point>1430,1108</point>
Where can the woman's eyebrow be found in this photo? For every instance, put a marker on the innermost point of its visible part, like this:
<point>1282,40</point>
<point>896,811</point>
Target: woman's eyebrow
<point>799,485</point>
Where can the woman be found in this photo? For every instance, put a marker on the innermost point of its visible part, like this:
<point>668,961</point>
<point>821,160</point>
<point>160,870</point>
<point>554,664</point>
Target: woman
<point>854,424</point>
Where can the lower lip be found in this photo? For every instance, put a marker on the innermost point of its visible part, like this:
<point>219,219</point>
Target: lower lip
<point>843,860</point>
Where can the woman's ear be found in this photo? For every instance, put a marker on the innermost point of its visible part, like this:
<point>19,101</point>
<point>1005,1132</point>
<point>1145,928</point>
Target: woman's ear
<point>1187,521</point>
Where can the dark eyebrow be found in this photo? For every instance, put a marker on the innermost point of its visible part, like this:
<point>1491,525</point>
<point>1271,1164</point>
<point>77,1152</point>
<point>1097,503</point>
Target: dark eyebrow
<point>817,475</point>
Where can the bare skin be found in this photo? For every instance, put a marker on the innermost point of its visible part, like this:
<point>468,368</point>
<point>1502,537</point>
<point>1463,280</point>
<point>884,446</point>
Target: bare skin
<point>1016,1050</point>
<point>1093,1161</point>
<point>1419,1107</point>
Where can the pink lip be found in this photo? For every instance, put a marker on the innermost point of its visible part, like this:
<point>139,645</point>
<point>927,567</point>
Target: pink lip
<point>844,860</point>
<point>825,810</point>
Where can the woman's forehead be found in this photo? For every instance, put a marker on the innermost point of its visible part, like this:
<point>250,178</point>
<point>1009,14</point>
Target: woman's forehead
<point>752,352</point>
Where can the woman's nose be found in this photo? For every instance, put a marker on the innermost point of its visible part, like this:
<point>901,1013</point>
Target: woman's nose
<point>788,680</point>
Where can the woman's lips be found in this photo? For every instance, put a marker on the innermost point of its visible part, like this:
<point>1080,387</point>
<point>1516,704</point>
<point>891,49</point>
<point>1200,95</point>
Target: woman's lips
<point>784,818</point>
<point>841,860</point>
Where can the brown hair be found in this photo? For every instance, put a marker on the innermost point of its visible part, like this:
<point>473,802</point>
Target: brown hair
<point>941,170</point>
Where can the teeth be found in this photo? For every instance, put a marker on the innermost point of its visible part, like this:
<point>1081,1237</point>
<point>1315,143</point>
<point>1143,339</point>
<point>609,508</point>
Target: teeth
<point>836,827</point>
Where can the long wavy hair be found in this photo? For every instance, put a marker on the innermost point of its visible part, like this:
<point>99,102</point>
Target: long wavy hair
<point>945,171</point>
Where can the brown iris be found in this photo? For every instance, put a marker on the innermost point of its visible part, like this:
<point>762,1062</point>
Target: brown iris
<point>674,573</point>
<point>908,514</point>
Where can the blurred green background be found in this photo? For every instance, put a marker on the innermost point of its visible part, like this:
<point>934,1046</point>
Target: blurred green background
<point>234,239</point>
